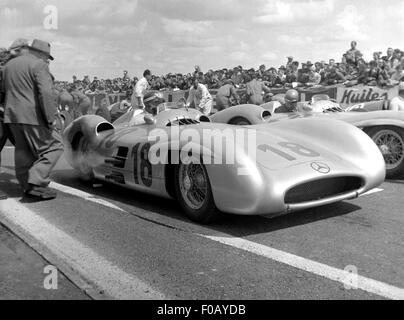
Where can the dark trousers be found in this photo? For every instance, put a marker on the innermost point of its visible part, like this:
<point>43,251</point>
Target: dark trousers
<point>37,150</point>
<point>5,135</point>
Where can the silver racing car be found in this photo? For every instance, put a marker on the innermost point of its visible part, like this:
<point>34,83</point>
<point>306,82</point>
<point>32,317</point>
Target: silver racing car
<point>288,166</point>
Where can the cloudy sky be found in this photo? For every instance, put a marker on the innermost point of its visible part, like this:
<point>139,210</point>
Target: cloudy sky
<point>104,37</point>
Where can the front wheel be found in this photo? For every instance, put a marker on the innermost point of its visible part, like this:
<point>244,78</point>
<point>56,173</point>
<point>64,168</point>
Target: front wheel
<point>194,192</point>
<point>390,141</point>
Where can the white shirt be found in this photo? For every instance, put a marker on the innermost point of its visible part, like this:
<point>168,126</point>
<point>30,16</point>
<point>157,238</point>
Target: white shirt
<point>201,98</point>
<point>140,89</point>
<point>397,104</point>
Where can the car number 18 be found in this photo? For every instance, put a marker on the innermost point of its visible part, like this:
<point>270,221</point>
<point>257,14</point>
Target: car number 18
<point>293,147</point>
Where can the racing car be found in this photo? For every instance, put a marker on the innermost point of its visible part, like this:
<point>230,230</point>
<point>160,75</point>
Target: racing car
<point>291,166</point>
<point>386,128</point>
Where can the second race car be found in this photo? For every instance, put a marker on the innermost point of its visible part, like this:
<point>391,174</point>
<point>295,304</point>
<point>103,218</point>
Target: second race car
<point>386,128</point>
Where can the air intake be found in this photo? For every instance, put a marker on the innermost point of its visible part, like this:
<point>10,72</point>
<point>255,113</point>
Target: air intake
<point>322,189</point>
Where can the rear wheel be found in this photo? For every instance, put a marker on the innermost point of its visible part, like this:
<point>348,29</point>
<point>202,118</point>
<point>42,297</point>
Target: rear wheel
<point>194,192</point>
<point>390,141</point>
<point>240,121</point>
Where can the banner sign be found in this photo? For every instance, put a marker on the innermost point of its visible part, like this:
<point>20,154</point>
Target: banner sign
<point>360,94</point>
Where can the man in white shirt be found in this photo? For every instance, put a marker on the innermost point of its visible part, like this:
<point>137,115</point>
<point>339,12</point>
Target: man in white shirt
<point>200,96</point>
<point>140,89</point>
<point>397,103</point>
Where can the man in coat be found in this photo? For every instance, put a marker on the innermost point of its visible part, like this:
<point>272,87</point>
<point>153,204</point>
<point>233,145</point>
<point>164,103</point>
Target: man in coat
<point>255,90</point>
<point>225,94</point>
<point>30,109</point>
<point>17,48</point>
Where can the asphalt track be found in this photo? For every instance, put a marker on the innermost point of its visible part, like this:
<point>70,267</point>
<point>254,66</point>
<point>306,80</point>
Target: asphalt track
<point>116,243</point>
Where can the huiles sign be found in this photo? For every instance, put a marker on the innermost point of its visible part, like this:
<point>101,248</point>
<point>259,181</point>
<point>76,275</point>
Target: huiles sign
<point>352,96</point>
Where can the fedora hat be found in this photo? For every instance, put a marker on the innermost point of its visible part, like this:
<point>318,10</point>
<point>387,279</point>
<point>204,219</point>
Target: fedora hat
<point>42,46</point>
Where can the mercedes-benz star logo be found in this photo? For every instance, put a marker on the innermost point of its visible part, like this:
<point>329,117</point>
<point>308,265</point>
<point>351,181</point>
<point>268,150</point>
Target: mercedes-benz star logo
<point>320,167</point>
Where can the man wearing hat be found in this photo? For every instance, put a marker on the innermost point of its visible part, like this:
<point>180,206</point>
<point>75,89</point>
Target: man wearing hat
<point>30,109</point>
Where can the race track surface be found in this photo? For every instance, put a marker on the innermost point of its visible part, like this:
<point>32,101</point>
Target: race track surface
<point>115,243</point>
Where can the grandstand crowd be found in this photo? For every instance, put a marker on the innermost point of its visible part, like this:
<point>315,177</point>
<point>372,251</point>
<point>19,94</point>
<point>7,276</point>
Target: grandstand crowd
<point>383,70</point>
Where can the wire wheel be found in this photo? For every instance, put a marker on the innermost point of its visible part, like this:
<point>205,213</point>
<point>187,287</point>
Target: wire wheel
<point>391,145</point>
<point>193,183</point>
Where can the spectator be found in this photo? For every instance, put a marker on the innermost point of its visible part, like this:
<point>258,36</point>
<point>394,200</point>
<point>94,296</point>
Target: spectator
<point>289,62</point>
<point>395,61</point>
<point>388,58</point>
<point>383,78</point>
<point>303,74</point>
<point>280,80</point>
<point>353,55</point>
<point>398,74</point>
<point>314,77</point>
<point>292,73</point>
<point>125,75</point>
<point>334,77</point>
<point>363,72</point>
<point>397,103</point>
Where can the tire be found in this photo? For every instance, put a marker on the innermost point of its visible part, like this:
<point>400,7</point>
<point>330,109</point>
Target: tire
<point>201,209</point>
<point>390,141</point>
<point>240,121</point>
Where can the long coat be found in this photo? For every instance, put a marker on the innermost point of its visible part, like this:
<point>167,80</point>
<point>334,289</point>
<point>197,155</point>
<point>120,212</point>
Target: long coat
<point>29,98</point>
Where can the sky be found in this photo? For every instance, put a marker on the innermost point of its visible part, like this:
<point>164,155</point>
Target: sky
<point>104,37</point>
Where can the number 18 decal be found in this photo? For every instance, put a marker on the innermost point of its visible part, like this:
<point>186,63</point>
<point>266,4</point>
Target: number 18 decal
<point>142,168</point>
<point>293,147</point>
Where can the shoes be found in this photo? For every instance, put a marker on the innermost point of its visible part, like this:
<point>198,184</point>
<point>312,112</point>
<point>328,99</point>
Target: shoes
<point>40,193</point>
<point>3,196</point>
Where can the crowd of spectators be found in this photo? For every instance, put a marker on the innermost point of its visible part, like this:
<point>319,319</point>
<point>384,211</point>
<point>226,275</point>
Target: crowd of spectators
<point>383,70</point>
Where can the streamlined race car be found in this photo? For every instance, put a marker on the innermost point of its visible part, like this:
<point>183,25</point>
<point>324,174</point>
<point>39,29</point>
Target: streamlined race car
<point>272,170</point>
<point>386,128</point>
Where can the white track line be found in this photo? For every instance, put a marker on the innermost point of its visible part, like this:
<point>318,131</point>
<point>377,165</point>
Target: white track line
<point>84,195</point>
<point>344,277</point>
<point>323,270</point>
<point>338,275</point>
<point>100,274</point>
